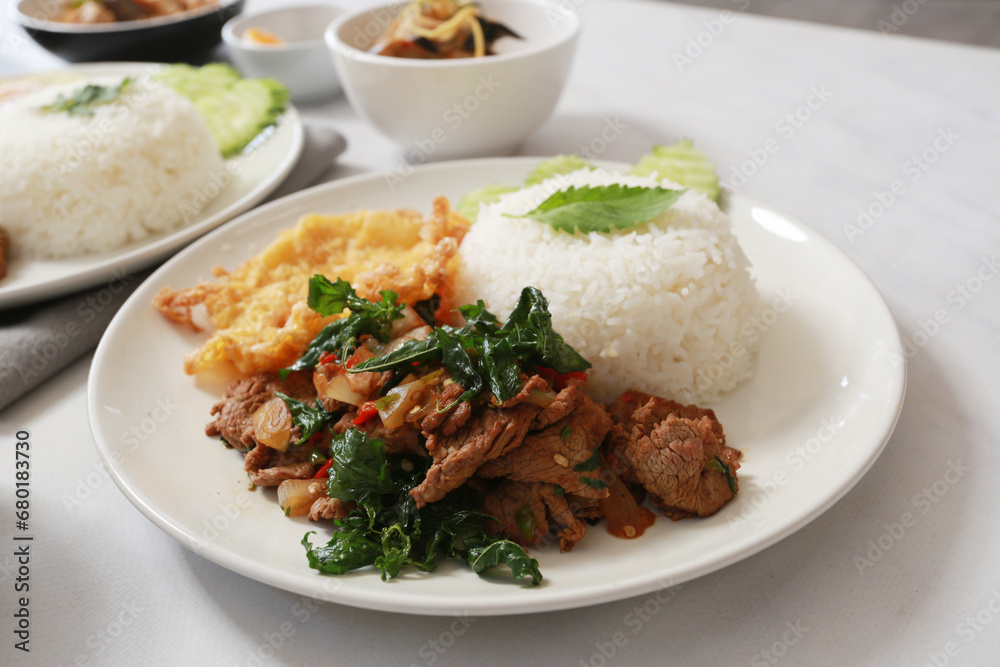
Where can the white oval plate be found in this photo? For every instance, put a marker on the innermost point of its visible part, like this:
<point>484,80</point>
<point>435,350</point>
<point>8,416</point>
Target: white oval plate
<point>824,400</point>
<point>255,174</point>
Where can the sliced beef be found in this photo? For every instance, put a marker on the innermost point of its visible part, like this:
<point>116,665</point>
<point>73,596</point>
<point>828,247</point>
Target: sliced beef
<point>325,507</point>
<point>233,415</point>
<point>533,383</point>
<point>447,398</point>
<point>519,511</point>
<point>565,402</point>
<point>561,519</point>
<point>637,409</point>
<point>528,512</point>
<point>670,462</point>
<point>489,434</point>
<point>656,410</point>
<point>565,453</point>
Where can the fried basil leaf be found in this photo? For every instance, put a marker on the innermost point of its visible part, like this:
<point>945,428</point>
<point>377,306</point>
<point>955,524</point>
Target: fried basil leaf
<point>359,471</point>
<point>309,420</point>
<point>347,550</point>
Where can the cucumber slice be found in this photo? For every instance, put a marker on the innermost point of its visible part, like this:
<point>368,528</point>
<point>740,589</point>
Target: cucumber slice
<point>197,82</point>
<point>468,205</point>
<point>560,164</point>
<point>235,109</point>
<point>683,163</point>
<point>237,114</point>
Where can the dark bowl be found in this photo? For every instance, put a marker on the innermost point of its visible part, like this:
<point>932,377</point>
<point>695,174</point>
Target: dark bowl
<point>185,37</point>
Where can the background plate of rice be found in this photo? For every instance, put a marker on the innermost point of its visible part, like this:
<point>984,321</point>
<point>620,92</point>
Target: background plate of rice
<point>254,174</point>
<point>824,395</point>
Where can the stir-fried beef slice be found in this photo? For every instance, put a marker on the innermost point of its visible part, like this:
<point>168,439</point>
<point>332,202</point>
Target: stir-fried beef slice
<point>670,462</point>
<point>456,418</point>
<point>487,435</point>
<point>656,410</point>
<point>620,435</point>
<point>233,415</point>
<point>274,475</point>
<point>583,507</point>
<point>569,528</point>
<point>519,511</point>
<point>533,383</point>
<point>234,422</point>
<point>622,409</point>
<point>561,454</point>
<point>637,410</point>
<point>448,398</point>
<point>325,507</point>
<point>567,400</point>
<point>402,440</point>
<point>366,384</point>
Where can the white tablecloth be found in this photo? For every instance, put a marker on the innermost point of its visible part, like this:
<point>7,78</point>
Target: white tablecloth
<point>885,145</point>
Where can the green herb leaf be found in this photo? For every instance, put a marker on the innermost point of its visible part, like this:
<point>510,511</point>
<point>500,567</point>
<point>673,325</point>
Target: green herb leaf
<point>529,329</point>
<point>372,318</point>
<point>526,521</point>
<point>590,464</point>
<point>717,465</point>
<point>347,550</point>
<point>396,545</point>
<point>359,471</point>
<point>83,101</point>
<point>309,420</point>
<point>602,208</point>
<point>485,553</point>
<point>594,483</point>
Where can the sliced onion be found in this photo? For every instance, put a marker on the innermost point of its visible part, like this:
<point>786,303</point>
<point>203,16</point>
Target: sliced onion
<point>296,496</point>
<point>539,397</point>
<point>626,519</point>
<point>419,333</point>
<point>272,424</point>
<point>411,320</point>
<point>337,388</point>
<point>398,402</point>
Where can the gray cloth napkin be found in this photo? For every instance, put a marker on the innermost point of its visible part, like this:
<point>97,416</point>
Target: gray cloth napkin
<point>37,341</point>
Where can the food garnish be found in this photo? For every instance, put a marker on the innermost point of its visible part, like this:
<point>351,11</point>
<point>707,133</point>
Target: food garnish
<point>602,208</point>
<point>441,29</point>
<point>83,101</point>
<point>387,530</point>
<point>237,110</point>
<point>683,163</point>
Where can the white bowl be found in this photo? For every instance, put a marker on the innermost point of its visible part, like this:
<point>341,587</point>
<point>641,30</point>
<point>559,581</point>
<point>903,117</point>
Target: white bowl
<point>302,63</point>
<point>463,107</point>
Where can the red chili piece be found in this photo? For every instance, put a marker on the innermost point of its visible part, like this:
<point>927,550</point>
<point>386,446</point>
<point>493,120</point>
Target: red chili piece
<point>367,410</point>
<point>324,469</point>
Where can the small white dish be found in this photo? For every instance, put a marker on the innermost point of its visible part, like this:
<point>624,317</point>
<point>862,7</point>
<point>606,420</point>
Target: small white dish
<point>461,107</point>
<point>815,416</point>
<point>302,61</point>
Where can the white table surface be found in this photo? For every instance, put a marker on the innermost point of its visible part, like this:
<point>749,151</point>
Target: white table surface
<point>109,588</point>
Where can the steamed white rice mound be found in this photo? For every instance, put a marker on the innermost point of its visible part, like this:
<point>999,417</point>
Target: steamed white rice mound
<point>658,308</point>
<point>72,184</point>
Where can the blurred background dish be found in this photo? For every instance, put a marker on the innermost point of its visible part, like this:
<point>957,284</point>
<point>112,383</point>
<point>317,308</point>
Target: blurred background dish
<point>286,44</point>
<point>186,36</point>
<point>439,109</point>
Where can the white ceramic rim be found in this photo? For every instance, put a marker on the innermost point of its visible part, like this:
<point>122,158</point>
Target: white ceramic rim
<point>337,45</point>
<point>29,21</point>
